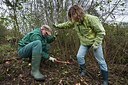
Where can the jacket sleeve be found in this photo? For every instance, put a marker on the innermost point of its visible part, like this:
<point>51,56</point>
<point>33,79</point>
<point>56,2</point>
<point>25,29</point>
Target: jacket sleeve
<point>65,25</point>
<point>34,37</point>
<point>45,55</point>
<point>99,30</point>
<point>50,39</point>
<point>38,37</point>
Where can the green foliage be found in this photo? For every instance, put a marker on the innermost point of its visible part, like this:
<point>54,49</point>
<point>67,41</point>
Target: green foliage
<point>116,44</point>
<point>7,34</point>
<point>6,50</point>
<point>3,31</point>
<point>14,4</point>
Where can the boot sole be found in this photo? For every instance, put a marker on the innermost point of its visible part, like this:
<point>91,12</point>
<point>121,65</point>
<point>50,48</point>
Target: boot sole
<point>40,79</point>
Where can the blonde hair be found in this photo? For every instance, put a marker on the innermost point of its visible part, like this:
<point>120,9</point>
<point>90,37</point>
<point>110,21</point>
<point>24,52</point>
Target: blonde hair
<point>76,13</point>
<point>46,27</point>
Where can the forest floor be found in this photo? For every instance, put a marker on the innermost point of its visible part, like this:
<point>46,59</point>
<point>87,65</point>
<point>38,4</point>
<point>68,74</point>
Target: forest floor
<point>15,71</point>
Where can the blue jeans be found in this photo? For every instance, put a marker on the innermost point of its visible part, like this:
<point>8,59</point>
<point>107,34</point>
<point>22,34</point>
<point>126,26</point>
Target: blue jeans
<point>98,53</point>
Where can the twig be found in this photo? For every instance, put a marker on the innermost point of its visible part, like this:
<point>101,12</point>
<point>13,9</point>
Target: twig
<point>22,80</point>
<point>82,80</point>
<point>64,62</point>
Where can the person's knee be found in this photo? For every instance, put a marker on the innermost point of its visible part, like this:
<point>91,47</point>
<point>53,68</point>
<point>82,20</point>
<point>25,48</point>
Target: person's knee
<point>80,59</point>
<point>79,55</point>
<point>103,66</point>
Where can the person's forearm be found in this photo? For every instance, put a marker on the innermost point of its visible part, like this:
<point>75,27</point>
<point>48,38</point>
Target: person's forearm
<point>66,25</point>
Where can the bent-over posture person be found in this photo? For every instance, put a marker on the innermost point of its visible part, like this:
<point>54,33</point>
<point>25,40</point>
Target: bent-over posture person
<point>91,33</point>
<point>35,45</point>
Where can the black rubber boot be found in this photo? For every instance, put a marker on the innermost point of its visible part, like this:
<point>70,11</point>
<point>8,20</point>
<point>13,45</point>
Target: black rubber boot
<point>105,77</point>
<point>82,70</point>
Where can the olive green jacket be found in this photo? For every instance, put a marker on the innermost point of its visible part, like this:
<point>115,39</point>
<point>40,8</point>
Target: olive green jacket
<point>37,35</point>
<point>90,31</point>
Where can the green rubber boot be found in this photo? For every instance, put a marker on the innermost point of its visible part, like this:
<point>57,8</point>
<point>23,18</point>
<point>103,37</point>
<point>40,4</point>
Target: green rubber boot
<point>35,68</point>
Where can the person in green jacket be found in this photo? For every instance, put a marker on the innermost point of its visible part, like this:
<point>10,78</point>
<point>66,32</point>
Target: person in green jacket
<point>35,45</point>
<point>91,33</point>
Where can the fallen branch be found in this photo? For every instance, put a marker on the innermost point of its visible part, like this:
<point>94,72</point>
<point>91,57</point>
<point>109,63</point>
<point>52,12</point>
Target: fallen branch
<point>63,62</point>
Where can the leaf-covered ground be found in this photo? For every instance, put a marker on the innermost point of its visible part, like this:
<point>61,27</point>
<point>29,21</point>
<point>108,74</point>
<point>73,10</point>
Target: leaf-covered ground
<point>15,71</point>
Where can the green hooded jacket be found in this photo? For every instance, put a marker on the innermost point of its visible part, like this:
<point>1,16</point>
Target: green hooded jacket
<point>90,31</point>
<point>37,35</point>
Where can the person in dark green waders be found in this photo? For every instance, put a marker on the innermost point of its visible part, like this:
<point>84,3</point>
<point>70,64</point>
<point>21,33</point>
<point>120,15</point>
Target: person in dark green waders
<point>35,45</point>
<point>91,33</point>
